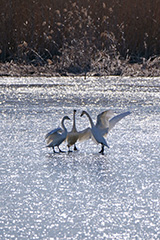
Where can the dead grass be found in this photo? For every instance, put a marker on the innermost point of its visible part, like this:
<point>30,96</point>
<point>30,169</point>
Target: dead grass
<point>81,36</point>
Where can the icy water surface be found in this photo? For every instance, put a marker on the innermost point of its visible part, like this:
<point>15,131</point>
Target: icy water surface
<point>81,195</point>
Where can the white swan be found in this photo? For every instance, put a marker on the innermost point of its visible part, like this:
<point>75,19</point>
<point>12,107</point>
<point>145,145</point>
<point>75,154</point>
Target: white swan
<point>73,135</point>
<point>103,124</point>
<point>57,136</point>
<point>95,133</point>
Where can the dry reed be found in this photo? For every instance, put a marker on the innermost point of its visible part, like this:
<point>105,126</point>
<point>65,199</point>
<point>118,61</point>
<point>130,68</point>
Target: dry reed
<point>79,35</point>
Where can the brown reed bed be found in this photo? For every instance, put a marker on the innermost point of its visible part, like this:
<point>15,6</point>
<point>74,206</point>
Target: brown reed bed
<point>100,37</point>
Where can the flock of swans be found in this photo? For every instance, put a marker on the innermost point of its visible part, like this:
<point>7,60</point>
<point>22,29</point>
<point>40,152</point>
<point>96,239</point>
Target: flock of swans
<point>97,132</point>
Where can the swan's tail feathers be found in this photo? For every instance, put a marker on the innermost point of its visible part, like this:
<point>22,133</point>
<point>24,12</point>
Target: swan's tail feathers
<point>49,144</point>
<point>84,135</point>
<point>106,145</point>
<point>114,120</point>
<point>56,130</point>
<point>104,142</point>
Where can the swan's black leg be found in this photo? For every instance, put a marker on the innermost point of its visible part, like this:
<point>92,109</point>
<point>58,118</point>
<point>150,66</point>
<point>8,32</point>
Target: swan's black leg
<point>53,150</point>
<point>75,148</point>
<point>69,149</point>
<point>102,149</point>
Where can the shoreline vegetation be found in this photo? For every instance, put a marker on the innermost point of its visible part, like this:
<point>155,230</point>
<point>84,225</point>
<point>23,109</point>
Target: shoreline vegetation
<point>134,70</point>
<point>87,38</point>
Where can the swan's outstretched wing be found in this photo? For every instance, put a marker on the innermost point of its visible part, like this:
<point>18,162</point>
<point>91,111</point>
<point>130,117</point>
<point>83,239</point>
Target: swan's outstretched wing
<point>52,135</point>
<point>55,139</point>
<point>56,130</point>
<point>84,134</point>
<point>114,120</point>
<point>103,119</point>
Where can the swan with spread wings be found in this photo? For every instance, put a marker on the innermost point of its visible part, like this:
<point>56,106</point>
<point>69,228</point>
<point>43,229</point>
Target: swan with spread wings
<point>105,122</point>
<point>96,135</point>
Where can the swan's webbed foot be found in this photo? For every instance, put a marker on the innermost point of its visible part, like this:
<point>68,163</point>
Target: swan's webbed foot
<point>75,148</point>
<point>54,150</point>
<point>102,152</point>
<point>61,150</point>
<point>69,150</point>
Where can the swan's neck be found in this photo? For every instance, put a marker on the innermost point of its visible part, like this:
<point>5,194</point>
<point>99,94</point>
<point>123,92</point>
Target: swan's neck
<point>90,119</point>
<point>74,122</point>
<point>63,126</point>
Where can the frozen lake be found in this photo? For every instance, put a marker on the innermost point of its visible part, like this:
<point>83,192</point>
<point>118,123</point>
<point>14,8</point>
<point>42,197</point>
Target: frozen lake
<point>81,195</point>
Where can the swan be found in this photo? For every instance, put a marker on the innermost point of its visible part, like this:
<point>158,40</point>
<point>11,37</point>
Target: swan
<point>103,124</point>
<point>57,136</point>
<point>73,135</point>
<point>95,133</point>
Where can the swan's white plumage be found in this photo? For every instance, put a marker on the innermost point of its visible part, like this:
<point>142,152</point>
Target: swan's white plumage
<point>117,118</point>
<point>57,136</point>
<point>105,122</point>
<point>49,136</point>
<point>103,119</point>
<point>95,133</point>
<point>85,134</point>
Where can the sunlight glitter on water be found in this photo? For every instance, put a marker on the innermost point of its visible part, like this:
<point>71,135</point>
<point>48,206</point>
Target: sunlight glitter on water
<point>82,195</point>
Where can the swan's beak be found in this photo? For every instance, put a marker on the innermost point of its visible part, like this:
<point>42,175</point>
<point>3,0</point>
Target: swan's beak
<point>81,114</point>
<point>68,118</point>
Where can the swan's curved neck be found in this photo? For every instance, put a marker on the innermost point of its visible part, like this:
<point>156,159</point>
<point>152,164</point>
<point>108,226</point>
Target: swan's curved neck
<point>63,126</point>
<point>90,119</point>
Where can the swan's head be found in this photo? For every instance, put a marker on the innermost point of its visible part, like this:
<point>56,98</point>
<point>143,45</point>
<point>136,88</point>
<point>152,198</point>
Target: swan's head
<point>66,118</point>
<point>83,112</point>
